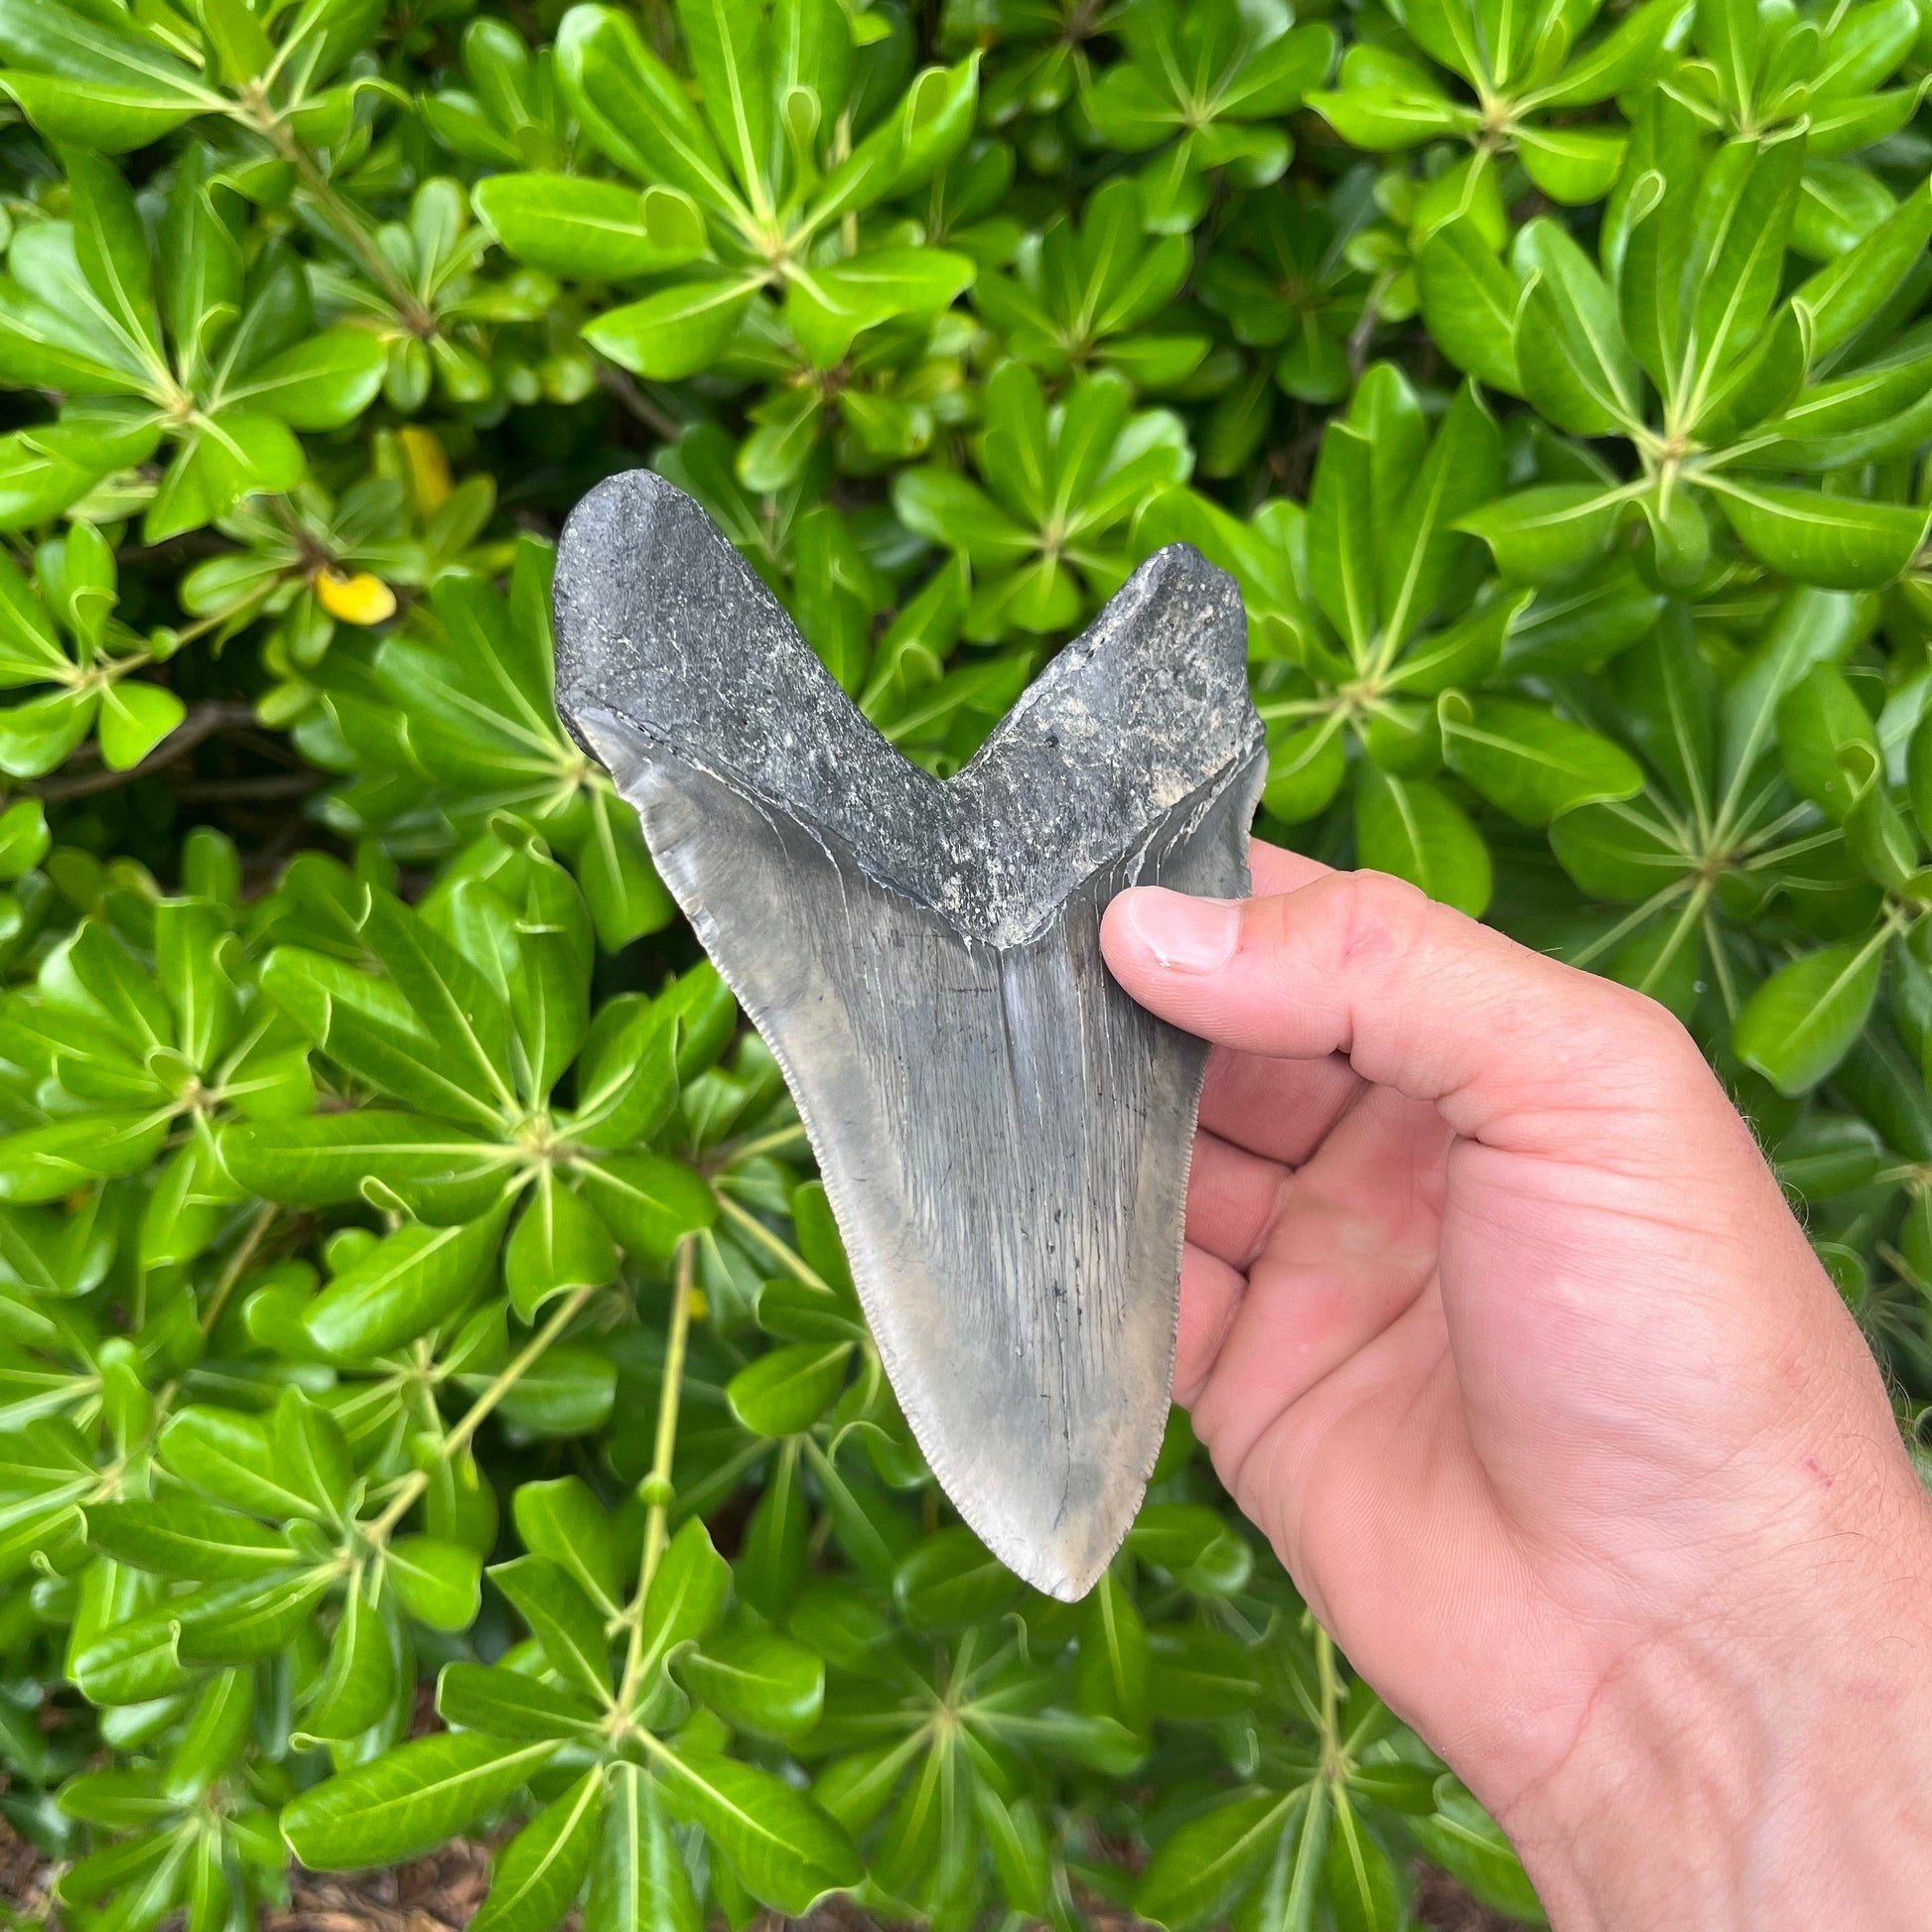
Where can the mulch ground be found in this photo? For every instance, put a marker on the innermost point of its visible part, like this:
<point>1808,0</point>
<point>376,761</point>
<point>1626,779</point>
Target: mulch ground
<point>441,1892</point>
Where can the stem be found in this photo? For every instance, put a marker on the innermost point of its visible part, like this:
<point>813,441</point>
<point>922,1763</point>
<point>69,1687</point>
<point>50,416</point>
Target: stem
<point>203,721</point>
<point>670,1391</point>
<point>237,1266</point>
<point>615,382</point>
<point>749,1224</point>
<point>1325,1664</point>
<point>1333,1761</point>
<point>341,217</point>
<point>765,1143</point>
<point>513,1371</point>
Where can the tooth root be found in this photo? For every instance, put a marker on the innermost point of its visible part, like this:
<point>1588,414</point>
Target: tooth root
<point>1003,1136</point>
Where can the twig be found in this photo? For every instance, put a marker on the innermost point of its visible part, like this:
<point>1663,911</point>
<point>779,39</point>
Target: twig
<point>203,721</point>
<point>636,403</point>
<point>278,784</point>
<point>237,1266</point>
<point>513,1372</point>
<point>748,1223</point>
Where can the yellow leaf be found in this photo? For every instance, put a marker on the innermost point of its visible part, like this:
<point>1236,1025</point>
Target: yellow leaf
<point>429,469</point>
<point>357,599</point>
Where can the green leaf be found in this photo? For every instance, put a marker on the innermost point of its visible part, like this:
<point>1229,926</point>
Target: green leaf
<point>403,1286</point>
<point>1549,533</point>
<point>329,1156</point>
<point>788,1389</point>
<point>45,1163</point>
<point>132,721</point>
<point>408,1801</point>
<point>232,1456</point>
<point>217,1734</point>
<point>438,1582</point>
<point>1412,828</point>
<point>312,1454</point>
<point>177,1536</point>
<point>1530,763</point>
<point>828,306</point>
<point>757,1681</point>
<point>636,109</point>
<point>360,1682</point>
<point>1745,215</point>
<point>509,1703</point>
<point>1574,365</point>
<point>1467,1842</point>
<point>563,1521</point>
<point>648,1202</point>
<point>952,1579</point>
<point>1839,543</point>
<point>89,78</point>
<point>1469,301</point>
<point>591,231</point>
<point>1363,1888</point>
<point>558,1245</point>
<point>676,332</point>
<point>1110,1674</point>
<point>535,1877</point>
<point>773,1562</point>
<point>1198,1673</point>
<point>727,56</point>
<point>1618,852</point>
<point>1201,1866</point>
<point>1295,1880</point>
<point>455,1005</point>
<point>568,1627</point>
<point>325,382</point>
<point>1341,547</point>
<point>1571,165</point>
<point>1387,119</point>
<point>1797,1026</point>
<point>111,249</point>
<point>1820,719</point>
<point>242,48</point>
<point>1845,294</point>
<point>1419,547</point>
<point>222,1624</point>
<point>687,1592</point>
<point>569,1392</point>
<point>639,1882</point>
<point>784,1847</point>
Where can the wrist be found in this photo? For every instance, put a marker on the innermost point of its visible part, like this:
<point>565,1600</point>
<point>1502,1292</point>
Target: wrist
<point>1768,1767</point>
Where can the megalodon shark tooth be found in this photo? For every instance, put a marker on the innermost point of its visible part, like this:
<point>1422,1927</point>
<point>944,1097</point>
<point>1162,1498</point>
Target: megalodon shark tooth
<point>1003,1133</point>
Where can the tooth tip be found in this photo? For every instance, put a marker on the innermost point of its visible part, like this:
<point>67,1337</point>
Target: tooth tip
<point>1063,1563</point>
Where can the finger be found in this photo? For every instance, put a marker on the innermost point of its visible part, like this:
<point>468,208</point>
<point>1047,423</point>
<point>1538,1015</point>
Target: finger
<point>1516,1049</point>
<point>1232,1200</point>
<point>1278,1109</point>
<point>1210,1293</point>
<point>1353,1241</point>
<point>1274,868</point>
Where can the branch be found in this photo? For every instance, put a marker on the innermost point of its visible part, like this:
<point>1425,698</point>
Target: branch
<point>636,403</point>
<point>279,784</point>
<point>203,721</point>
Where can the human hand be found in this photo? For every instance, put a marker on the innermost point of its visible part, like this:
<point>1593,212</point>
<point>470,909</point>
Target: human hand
<point>1496,1322</point>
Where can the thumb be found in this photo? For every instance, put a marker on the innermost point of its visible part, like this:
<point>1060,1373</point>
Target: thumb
<point>1516,1049</point>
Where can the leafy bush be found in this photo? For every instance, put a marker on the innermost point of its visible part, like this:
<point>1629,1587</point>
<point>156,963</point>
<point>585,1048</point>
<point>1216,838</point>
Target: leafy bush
<point>432,1396</point>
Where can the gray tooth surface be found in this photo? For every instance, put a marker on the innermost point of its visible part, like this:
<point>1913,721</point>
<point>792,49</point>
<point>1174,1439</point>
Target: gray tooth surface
<point>1003,1133</point>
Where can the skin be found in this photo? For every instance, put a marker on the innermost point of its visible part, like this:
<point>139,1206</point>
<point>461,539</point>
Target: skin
<point>1497,1324</point>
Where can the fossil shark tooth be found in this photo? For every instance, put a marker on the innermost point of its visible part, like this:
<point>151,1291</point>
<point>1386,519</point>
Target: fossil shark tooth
<point>1004,1135</point>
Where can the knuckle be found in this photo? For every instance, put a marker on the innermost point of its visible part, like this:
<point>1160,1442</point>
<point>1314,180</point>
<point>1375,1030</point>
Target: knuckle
<point>1378,915</point>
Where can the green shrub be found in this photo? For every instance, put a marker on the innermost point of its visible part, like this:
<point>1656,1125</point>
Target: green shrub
<point>432,1396</point>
